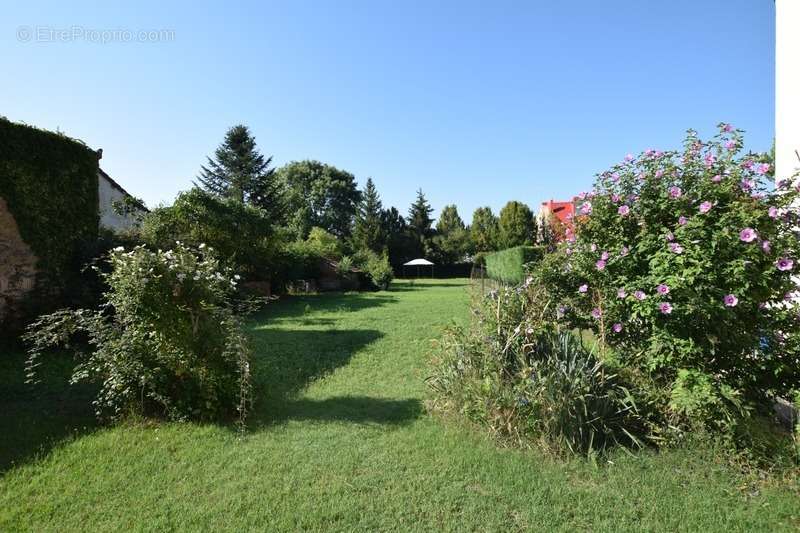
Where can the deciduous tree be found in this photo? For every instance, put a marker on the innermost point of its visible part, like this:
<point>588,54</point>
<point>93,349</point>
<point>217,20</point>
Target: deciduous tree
<point>517,225</point>
<point>484,230</point>
<point>320,195</point>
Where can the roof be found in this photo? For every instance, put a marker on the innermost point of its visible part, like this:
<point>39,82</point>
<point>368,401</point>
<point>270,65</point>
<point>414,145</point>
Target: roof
<point>563,211</point>
<point>420,262</point>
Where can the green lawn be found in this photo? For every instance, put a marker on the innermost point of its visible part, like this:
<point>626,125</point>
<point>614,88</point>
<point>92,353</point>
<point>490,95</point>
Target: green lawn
<point>340,440</point>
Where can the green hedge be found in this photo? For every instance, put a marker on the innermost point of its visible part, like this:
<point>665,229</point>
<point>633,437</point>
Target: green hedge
<point>508,266</point>
<point>49,182</point>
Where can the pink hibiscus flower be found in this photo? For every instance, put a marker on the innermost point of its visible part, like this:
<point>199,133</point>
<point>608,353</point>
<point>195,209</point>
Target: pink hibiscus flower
<point>748,235</point>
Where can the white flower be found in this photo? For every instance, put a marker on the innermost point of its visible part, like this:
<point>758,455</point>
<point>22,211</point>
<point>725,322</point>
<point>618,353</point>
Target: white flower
<point>119,249</point>
<point>202,245</point>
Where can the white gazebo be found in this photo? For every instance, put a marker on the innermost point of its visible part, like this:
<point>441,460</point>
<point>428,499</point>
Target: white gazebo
<point>418,263</point>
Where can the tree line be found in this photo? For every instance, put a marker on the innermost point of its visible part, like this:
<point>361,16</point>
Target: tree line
<point>277,223</point>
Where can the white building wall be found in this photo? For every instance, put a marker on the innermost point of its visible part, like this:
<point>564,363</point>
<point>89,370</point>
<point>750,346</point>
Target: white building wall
<point>108,193</point>
<point>787,87</point>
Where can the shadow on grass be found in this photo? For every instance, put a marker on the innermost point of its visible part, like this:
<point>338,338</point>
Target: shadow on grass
<point>290,308</point>
<point>36,418</point>
<point>363,410</point>
<point>286,361</point>
<point>410,285</point>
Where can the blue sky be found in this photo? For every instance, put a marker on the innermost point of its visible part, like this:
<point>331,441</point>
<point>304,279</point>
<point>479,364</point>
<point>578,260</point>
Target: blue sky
<point>478,103</point>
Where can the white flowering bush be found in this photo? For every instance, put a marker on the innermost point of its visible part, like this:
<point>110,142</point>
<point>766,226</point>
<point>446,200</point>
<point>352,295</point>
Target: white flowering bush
<point>166,340</point>
<point>682,262</point>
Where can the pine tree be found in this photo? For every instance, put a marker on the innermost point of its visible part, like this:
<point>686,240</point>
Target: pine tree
<point>369,233</point>
<point>419,216</point>
<point>269,194</point>
<point>239,171</point>
<point>420,222</point>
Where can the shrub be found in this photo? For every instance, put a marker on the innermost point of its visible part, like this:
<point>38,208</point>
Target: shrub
<point>297,261</point>
<point>375,267</point>
<point>345,266</point>
<point>508,266</point>
<point>238,232</point>
<point>512,372</point>
<point>300,260</point>
<point>166,340</point>
<point>379,271</point>
<point>681,262</point>
<point>324,244</point>
<point>796,427</point>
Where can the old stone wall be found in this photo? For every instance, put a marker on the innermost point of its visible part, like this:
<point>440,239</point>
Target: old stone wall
<point>17,263</point>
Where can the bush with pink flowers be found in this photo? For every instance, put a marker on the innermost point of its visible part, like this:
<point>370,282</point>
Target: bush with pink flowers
<point>682,263</point>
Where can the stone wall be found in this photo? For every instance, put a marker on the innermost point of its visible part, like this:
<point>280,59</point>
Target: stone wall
<point>17,263</point>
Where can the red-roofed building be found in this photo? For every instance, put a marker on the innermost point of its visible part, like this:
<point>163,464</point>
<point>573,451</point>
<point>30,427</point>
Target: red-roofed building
<point>561,212</point>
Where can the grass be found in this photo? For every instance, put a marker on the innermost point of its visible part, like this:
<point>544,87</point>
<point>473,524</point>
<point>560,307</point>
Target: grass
<point>340,440</point>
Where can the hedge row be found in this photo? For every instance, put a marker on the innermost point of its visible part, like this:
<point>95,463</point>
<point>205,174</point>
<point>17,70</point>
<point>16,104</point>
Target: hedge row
<point>508,266</point>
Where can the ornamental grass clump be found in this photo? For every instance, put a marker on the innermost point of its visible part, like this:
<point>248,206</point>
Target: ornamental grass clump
<point>513,372</point>
<point>166,341</point>
<point>682,263</point>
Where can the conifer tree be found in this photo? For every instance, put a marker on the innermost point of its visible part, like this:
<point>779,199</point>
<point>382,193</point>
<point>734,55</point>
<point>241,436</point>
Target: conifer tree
<point>239,171</point>
<point>368,233</point>
<point>420,224</point>
<point>419,216</point>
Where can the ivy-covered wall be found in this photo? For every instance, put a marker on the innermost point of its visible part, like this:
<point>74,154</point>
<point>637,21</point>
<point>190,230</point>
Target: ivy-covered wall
<point>49,184</point>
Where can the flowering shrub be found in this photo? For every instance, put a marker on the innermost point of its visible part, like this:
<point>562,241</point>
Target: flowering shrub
<point>166,340</point>
<point>683,262</point>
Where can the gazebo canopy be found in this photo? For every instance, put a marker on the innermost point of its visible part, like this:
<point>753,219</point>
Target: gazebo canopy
<point>418,262</point>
